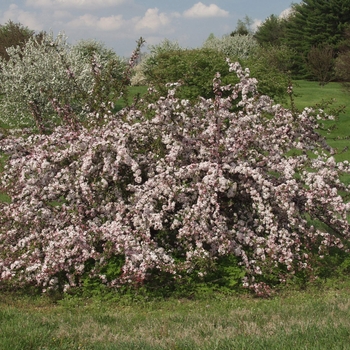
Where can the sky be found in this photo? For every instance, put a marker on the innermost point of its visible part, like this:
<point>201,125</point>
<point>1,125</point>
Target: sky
<point>119,23</point>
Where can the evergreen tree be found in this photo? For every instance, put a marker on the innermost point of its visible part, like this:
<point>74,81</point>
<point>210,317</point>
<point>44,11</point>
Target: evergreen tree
<point>316,22</point>
<point>271,31</point>
<point>244,27</point>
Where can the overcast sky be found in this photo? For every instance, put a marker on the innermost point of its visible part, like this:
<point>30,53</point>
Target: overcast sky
<point>119,23</point>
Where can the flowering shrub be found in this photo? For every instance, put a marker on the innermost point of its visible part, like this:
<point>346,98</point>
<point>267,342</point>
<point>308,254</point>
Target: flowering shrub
<point>170,186</point>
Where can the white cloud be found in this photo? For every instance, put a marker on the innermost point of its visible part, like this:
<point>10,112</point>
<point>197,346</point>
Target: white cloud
<point>92,25</point>
<point>83,4</point>
<point>102,23</point>
<point>286,13</point>
<point>28,19</point>
<point>256,23</point>
<point>200,10</point>
<point>152,20</point>
<point>62,15</point>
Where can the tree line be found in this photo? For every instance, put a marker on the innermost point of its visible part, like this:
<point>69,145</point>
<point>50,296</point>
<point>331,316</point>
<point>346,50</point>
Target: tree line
<point>318,31</point>
<point>311,42</point>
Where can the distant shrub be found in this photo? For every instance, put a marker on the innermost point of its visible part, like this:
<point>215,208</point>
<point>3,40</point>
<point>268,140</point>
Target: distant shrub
<point>236,46</point>
<point>194,69</point>
<point>320,63</point>
<point>271,66</point>
<point>149,61</point>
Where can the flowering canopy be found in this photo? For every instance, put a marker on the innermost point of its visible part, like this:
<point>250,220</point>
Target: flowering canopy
<point>171,184</point>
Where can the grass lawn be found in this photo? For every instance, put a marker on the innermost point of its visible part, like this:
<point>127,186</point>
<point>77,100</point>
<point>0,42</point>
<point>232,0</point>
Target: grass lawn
<point>311,93</point>
<point>298,320</point>
<point>133,92</point>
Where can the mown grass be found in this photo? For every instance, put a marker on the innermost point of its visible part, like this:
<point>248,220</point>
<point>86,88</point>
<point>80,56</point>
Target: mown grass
<point>133,92</point>
<point>297,320</point>
<point>309,93</point>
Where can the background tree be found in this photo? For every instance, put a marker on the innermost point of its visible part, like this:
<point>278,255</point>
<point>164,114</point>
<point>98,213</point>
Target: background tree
<point>342,62</point>
<point>313,23</point>
<point>244,27</point>
<point>14,34</point>
<point>271,31</point>
<point>320,62</point>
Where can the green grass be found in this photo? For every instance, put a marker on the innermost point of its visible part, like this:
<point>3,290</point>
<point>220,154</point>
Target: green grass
<point>308,94</point>
<point>132,93</point>
<point>298,320</point>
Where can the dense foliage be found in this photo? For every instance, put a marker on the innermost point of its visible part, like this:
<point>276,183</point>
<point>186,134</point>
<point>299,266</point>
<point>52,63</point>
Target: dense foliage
<point>194,68</point>
<point>308,27</point>
<point>170,188</point>
<point>14,34</point>
<point>271,31</point>
<point>316,23</point>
